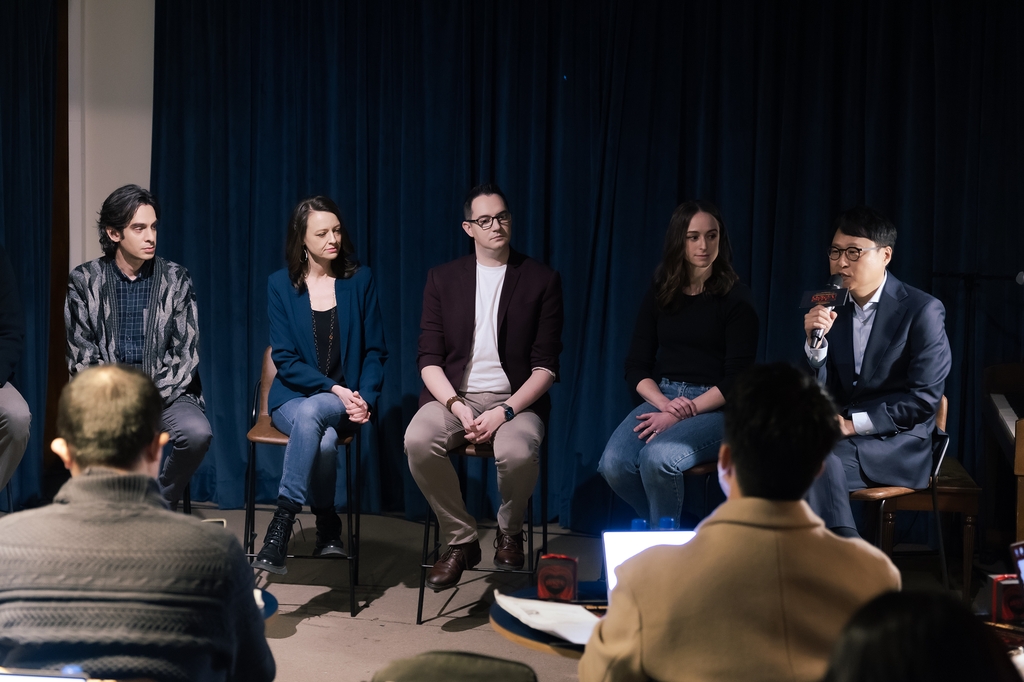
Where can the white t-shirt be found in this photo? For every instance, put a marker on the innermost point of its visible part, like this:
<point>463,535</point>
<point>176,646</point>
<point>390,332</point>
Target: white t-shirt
<point>483,371</point>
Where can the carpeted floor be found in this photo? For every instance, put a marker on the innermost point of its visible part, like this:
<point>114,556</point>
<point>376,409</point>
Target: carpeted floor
<point>314,638</point>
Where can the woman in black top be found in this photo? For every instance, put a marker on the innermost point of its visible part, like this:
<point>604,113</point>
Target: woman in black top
<point>695,331</point>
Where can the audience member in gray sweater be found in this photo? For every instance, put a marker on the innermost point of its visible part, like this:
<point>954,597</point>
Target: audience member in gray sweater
<point>107,578</point>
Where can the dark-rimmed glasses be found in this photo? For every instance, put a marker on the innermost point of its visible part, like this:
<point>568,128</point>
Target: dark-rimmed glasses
<point>486,222</point>
<point>852,252</point>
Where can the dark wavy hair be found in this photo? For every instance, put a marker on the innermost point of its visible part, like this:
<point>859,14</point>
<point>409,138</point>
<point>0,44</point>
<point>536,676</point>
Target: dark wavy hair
<point>108,414</point>
<point>343,267</point>
<point>671,276</point>
<point>118,210</point>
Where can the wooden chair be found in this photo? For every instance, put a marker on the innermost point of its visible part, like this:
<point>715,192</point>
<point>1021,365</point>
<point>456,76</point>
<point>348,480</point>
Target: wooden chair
<point>262,431</point>
<point>950,489</point>
<point>429,556</point>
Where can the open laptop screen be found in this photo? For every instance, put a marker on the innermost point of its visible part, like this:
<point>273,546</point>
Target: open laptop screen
<point>1017,549</point>
<point>622,545</point>
<point>33,676</point>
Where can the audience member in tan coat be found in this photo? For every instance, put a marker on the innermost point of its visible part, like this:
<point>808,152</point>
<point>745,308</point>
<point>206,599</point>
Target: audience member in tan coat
<point>763,590</point>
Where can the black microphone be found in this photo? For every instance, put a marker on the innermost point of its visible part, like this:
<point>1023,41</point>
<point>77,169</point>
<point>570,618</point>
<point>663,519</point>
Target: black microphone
<point>835,282</point>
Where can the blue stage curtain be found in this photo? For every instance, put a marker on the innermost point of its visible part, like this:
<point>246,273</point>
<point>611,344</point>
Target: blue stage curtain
<point>597,118</point>
<point>27,76</point>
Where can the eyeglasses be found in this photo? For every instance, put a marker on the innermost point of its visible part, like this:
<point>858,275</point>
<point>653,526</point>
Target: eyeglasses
<point>852,252</point>
<point>487,222</point>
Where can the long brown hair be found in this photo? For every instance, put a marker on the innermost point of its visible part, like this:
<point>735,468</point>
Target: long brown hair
<point>342,267</point>
<point>670,277</point>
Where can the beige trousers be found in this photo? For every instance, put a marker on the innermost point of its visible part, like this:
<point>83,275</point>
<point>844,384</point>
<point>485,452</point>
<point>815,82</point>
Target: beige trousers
<point>434,431</point>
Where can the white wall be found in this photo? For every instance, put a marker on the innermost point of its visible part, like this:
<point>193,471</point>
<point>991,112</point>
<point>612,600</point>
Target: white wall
<point>110,108</point>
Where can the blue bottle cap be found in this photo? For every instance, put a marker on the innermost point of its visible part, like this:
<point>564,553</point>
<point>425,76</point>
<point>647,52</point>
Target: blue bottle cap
<point>639,524</point>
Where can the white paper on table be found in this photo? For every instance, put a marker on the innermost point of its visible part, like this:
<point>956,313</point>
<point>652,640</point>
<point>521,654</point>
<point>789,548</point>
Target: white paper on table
<point>571,622</point>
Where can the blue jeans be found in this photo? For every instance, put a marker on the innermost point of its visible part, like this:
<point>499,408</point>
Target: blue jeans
<point>311,456</point>
<point>649,476</point>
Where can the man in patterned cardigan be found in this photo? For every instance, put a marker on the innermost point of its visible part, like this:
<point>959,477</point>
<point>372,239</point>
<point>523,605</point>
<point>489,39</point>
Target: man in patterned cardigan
<point>133,308</point>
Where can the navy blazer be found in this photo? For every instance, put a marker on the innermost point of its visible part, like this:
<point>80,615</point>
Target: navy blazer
<point>905,365</point>
<point>529,322</point>
<point>291,337</point>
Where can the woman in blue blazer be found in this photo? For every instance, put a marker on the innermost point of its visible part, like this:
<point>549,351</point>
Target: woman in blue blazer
<point>328,345</point>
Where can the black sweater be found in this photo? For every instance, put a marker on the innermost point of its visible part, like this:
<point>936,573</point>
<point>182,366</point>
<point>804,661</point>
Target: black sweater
<point>701,339</point>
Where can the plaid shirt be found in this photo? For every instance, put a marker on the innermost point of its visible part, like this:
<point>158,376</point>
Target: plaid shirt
<point>132,301</point>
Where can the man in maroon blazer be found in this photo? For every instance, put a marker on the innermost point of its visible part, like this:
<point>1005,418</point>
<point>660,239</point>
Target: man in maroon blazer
<point>490,337</point>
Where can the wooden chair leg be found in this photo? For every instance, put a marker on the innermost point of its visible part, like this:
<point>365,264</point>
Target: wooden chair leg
<point>969,522</point>
<point>888,520</point>
<point>938,533</point>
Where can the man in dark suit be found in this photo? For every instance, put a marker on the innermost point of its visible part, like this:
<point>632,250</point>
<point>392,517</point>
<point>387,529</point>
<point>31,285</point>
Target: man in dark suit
<point>490,338</point>
<point>884,357</point>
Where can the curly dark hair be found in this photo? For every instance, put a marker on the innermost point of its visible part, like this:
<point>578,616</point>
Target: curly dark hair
<point>671,275</point>
<point>343,267</point>
<point>119,209</point>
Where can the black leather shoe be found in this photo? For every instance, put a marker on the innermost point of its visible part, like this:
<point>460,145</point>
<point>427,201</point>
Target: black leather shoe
<point>329,547</point>
<point>508,552</point>
<point>275,543</point>
<point>328,533</point>
<point>448,570</point>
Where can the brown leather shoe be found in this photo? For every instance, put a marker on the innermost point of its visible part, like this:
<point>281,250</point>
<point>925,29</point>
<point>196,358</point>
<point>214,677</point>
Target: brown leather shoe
<point>448,570</point>
<point>509,551</point>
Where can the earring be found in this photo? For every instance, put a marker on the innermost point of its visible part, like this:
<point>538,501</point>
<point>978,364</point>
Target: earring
<point>304,256</point>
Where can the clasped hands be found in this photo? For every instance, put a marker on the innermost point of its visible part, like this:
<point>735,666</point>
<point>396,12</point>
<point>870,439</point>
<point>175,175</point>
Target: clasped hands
<point>480,429</point>
<point>653,423</point>
<point>356,408</point>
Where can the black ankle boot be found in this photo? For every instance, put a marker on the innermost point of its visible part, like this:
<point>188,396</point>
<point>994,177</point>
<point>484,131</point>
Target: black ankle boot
<point>275,542</point>
<point>328,532</point>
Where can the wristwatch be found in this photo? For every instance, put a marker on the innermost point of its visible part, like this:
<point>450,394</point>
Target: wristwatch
<point>509,412</point>
<point>454,399</point>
